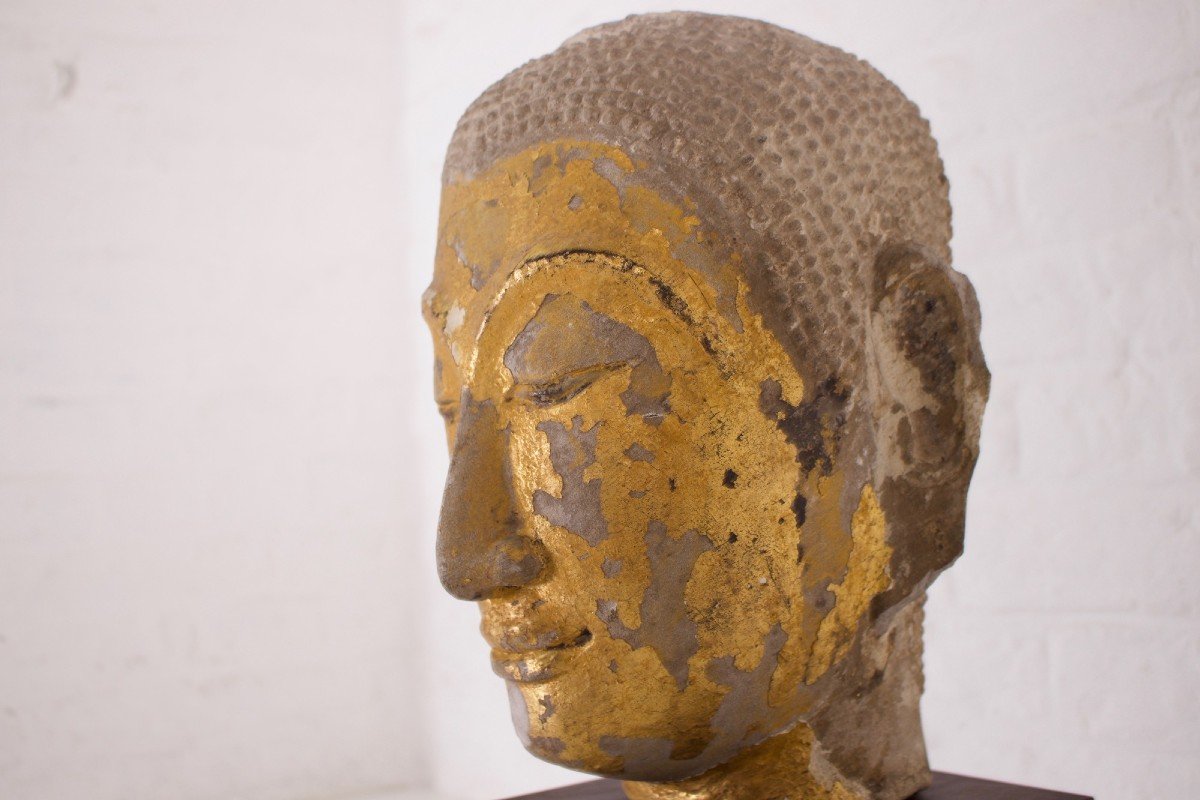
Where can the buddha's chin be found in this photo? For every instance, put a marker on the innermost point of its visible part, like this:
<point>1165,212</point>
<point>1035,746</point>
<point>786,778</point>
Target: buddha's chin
<point>596,762</point>
<point>579,736</point>
<point>605,765</point>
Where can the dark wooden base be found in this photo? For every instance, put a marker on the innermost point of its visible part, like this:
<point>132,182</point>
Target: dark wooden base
<point>945,787</point>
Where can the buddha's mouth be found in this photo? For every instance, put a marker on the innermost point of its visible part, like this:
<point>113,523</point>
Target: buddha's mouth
<point>537,665</point>
<point>582,639</point>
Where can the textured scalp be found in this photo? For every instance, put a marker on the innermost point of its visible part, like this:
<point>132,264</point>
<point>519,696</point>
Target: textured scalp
<point>803,158</point>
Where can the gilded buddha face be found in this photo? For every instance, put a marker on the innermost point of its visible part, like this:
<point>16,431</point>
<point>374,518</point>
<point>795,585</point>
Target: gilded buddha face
<point>643,496</point>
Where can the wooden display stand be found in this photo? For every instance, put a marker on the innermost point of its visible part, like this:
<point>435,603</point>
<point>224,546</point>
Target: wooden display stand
<point>945,787</point>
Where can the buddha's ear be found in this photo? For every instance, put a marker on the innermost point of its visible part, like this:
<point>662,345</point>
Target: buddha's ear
<point>929,385</point>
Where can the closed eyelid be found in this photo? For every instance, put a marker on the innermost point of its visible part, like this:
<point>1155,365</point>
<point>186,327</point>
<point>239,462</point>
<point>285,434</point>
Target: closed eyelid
<point>447,408</point>
<point>563,387</point>
<point>450,398</point>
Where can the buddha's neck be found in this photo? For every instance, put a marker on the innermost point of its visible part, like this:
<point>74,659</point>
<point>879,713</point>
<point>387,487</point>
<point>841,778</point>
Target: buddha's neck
<point>779,768</point>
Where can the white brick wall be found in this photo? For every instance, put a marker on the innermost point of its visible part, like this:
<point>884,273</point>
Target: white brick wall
<point>220,463</point>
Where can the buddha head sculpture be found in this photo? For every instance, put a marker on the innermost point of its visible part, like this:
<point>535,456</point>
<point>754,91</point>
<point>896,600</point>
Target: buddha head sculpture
<point>712,394</point>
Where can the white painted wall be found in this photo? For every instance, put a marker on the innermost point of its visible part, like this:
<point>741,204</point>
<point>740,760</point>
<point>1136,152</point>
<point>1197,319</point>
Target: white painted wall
<point>220,462</point>
<point>1064,648</point>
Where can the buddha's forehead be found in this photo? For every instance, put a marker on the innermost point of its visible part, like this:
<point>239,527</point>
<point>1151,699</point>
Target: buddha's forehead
<point>603,223</point>
<point>564,196</point>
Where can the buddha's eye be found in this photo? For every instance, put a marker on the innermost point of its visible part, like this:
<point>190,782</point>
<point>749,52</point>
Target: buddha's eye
<point>448,409</point>
<point>564,387</point>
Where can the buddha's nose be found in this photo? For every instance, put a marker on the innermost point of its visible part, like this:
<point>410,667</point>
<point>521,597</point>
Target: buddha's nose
<point>480,550</point>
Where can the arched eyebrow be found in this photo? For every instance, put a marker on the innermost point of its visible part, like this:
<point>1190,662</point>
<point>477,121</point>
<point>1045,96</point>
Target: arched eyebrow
<point>707,333</point>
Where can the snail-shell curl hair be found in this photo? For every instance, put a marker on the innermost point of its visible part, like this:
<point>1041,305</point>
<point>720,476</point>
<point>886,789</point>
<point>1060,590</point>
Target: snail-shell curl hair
<point>801,157</point>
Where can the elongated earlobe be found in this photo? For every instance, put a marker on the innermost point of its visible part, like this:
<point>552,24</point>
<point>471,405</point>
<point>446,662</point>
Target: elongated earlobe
<point>930,387</point>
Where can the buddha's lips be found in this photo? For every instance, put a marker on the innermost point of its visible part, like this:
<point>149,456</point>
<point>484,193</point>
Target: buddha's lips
<point>537,664</point>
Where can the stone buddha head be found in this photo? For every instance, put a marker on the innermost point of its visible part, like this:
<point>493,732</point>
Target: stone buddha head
<point>712,394</point>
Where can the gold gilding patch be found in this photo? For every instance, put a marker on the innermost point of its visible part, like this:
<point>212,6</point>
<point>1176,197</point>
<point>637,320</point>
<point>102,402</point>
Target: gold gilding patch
<point>866,577</point>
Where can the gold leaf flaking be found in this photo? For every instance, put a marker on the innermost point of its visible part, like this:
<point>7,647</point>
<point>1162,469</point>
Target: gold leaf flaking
<point>866,577</point>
